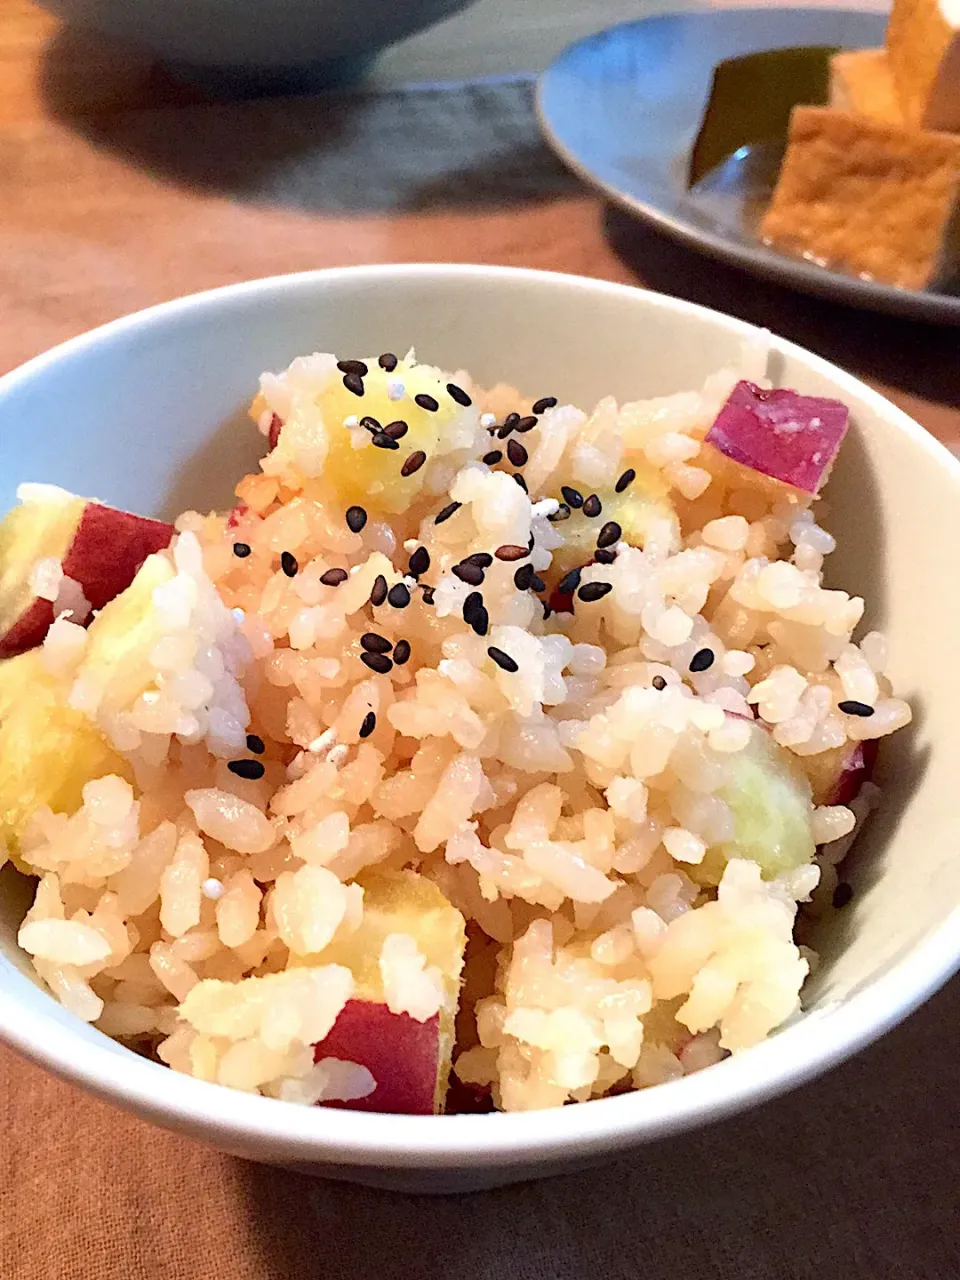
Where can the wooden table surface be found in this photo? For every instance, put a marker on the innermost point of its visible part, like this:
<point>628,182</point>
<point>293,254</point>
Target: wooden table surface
<point>118,189</point>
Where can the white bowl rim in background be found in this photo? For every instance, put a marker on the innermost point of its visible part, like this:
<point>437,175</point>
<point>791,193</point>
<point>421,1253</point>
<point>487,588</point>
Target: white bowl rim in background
<point>277,1131</point>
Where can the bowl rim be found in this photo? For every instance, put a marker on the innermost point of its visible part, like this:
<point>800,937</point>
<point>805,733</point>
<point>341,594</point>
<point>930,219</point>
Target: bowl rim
<point>240,1121</point>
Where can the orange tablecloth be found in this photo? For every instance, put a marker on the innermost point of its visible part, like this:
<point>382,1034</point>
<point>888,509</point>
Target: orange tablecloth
<point>117,190</point>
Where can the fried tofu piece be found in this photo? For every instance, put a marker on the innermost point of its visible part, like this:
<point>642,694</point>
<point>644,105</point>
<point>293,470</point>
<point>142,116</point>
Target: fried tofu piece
<point>923,49</point>
<point>861,81</point>
<point>876,199</point>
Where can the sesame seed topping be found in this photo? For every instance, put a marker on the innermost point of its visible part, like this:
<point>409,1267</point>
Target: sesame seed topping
<point>625,480</point>
<point>510,551</point>
<point>471,574</point>
<point>427,594</point>
<point>396,430</point>
<point>378,662</point>
<point>353,366</point>
<point>369,724</point>
<point>334,577</point>
<point>370,424</point>
<point>373,643</point>
<point>413,463</point>
<point>605,555</point>
<point>493,457</point>
<point>353,382</point>
<point>255,744</point>
<point>517,453</point>
<point>545,403</point>
<point>426,402</point>
<point>482,559</point>
<point>702,660</point>
<point>458,394</point>
<point>480,622</point>
<point>419,562</point>
<point>450,509</point>
<point>842,894</point>
<point>523,577</point>
<point>659,683</point>
<point>545,507</point>
<point>525,425</point>
<point>569,582</point>
<point>399,596</point>
<point>288,563</point>
<point>609,534</point>
<point>396,390</point>
<point>592,591</point>
<point>520,481</point>
<point>241,550</point>
<point>473,602</point>
<point>356,518</point>
<point>503,660</point>
<point>401,653</point>
<point>252,770</point>
<point>383,441</point>
<point>379,591</point>
<point>388,361</point>
<point>850,707</point>
<point>572,497</point>
<point>562,513</point>
<point>509,424</point>
<point>537,583</point>
<point>487,419</point>
<point>591,506</point>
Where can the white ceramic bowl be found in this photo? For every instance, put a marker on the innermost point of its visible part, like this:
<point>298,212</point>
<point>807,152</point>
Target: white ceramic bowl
<point>148,413</point>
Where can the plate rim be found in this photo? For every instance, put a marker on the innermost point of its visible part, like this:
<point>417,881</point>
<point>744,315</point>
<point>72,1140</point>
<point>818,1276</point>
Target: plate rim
<point>913,304</point>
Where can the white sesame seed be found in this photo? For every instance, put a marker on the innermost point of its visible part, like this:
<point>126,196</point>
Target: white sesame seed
<point>545,507</point>
<point>212,889</point>
<point>411,544</point>
<point>396,390</point>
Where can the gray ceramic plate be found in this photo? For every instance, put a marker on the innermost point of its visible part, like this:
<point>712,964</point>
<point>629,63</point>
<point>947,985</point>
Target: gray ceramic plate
<point>622,109</point>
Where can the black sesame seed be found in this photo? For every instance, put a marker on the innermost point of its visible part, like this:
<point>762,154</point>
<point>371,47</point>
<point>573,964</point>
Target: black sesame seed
<point>517,453</point>
<point>503,660</point>
<point>473,602</point>
<point>241,550</point>
<point>255,744</point>
<point>334,577</point>
<point>569,582</point>
<point>353,382</point>
<point>605,555</point>
<point>426,402</point>
<point>842,894</point>
<point>413,463</point>
<point>383,441</point>
<point>252,770</point>
<point>399,596</point>
<point>511,551</point>
<point>482,559</point>
<point>396,430</point>
<point>480,621</point>
<point>427,594</point>
<point>370,424</point>
<point>520,481</point>
<point>537,583</point>
<point>609,534</point>
<point>369,724</point>
<point>545,403</point>
<point>288,563</point>
<point>493,457</point>
<point>373,643</point>
<point>450,509</point>
<point>658,682</point>
<point>401,653</point>
<point>525,425</point>
<point>592,591</point>
<point>573,497</point>
<point>625,480</point>
<point>523,577</point>
<point>850,707</point>
<point>458,394</point>
<point>471,574</point>
<point>388,361</point>
<point>379,592</point>
<point>353,366</point>
<point>702,660</point>
<point>356,519</point>
<point>562,513</point>
<point>419,562</point>
<point>591,506</point>
<point>378,662</point>
<point>509,424</point>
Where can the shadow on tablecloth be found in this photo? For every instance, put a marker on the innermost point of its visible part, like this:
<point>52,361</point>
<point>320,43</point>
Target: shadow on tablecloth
<point>849,1176</point>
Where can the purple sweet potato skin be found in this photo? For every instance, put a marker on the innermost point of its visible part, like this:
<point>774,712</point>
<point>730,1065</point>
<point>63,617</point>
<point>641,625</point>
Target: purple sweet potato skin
<point>782,434</point>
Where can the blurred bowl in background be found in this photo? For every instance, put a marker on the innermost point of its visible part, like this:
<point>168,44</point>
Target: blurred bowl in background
<point>258,45</point>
